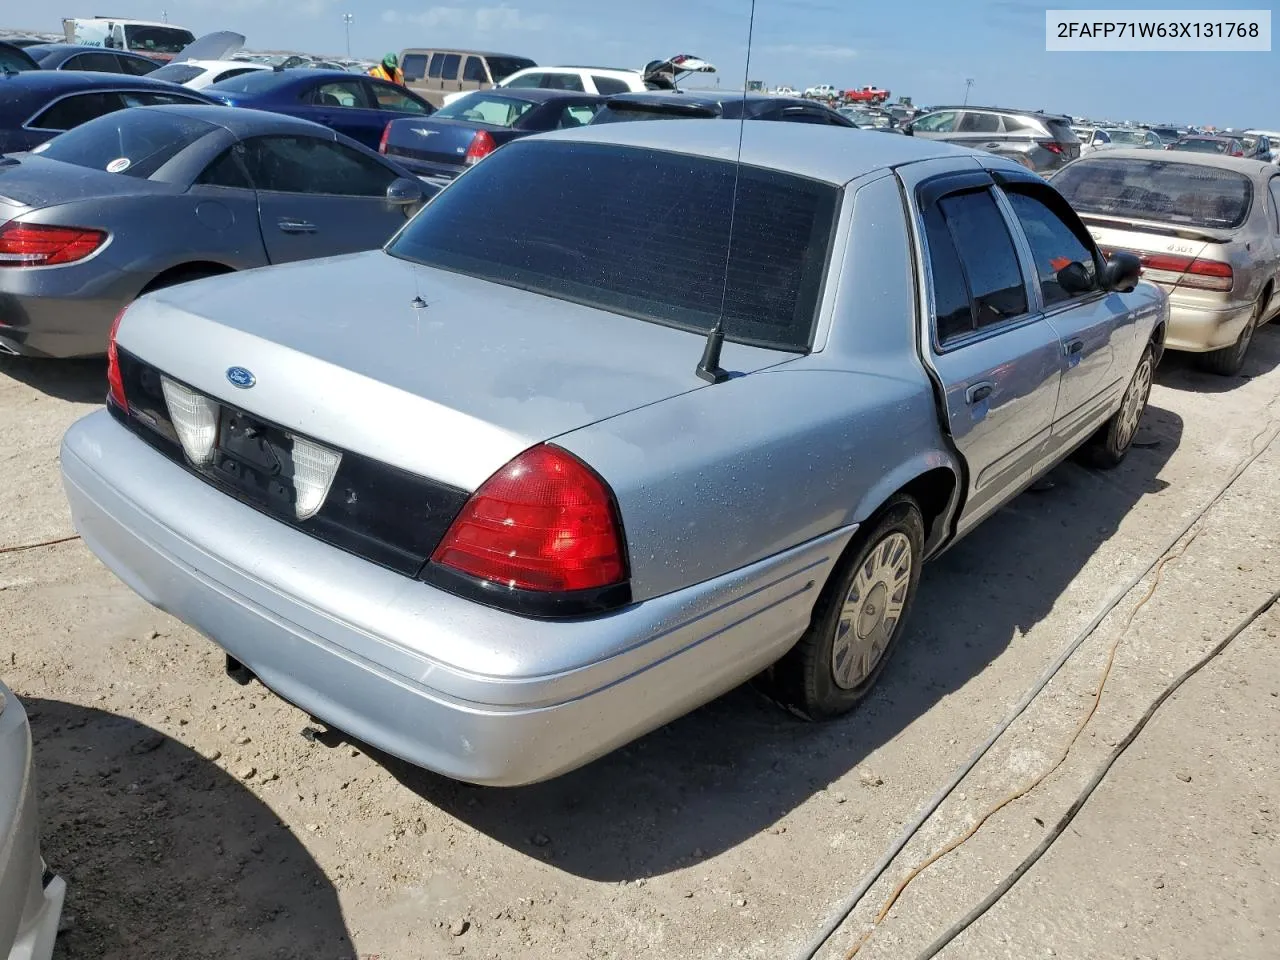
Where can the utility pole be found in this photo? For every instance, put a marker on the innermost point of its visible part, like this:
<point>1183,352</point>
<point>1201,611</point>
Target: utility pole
<point>164,16</point>
<point>967,84</point>
<point>346,21</point>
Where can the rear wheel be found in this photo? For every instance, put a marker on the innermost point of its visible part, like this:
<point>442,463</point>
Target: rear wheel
<point>1110,444</point>
<point>1229,360</point>
<point>857,620</point>
<point>172,278</point>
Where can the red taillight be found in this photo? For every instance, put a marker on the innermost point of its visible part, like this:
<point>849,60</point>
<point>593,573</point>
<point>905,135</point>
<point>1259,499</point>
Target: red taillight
<point>1051,145</point>
<point>382,144</point>
<point>37,245</point>
<point>481,146</point>
<point>543,522</point>
<point>115,382</point>
<point>1185,271</point>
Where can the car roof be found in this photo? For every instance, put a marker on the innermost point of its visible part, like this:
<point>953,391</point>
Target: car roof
<point>834,154</point>
<point>242,121</point>
<point>72,48</point>
<point>1047,114</point>
<point>1256,169</point>
<point>53,81</point>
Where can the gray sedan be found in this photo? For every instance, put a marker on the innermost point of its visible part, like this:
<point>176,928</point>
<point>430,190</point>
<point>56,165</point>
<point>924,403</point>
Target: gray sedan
<point>578,471</point>
<point>30,895</point>
<point>149,197</point>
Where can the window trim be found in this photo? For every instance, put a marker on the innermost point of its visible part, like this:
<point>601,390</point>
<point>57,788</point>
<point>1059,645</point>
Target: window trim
<point>929,193</point>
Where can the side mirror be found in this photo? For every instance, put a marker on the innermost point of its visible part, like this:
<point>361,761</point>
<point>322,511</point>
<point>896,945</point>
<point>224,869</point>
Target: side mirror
<point>1122,272</point>
<point>908,128</point>
<point>404,191</point>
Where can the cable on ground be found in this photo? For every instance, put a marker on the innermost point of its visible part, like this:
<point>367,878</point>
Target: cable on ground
<point>35,546</point>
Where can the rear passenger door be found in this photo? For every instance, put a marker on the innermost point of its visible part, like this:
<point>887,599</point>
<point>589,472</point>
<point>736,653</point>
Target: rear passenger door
<point>996,359</point>
<point>1099,339</point>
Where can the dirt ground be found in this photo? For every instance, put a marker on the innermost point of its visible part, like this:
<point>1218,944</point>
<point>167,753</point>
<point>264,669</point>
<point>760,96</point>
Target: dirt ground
<point>192,819</point>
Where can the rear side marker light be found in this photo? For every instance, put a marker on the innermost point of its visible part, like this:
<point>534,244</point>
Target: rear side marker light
<point>544,522</point>
<point>386,135</point>
<point>195,420</point>
<point>115,381</point>
<point>38,245</point>
<point>314,468</point>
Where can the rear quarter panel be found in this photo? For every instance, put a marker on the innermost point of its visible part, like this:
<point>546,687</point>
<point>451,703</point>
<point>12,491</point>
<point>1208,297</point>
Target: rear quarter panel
<point>720,477</point>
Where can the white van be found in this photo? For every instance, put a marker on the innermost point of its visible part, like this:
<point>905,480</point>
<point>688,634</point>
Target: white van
<point>159,40</point>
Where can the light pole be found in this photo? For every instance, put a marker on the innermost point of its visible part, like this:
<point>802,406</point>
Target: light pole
<point>967,84</point>
<point>346,21</point>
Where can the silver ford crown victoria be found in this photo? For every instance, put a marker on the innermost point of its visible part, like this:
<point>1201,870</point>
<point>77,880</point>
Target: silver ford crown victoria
<point>613,425</point>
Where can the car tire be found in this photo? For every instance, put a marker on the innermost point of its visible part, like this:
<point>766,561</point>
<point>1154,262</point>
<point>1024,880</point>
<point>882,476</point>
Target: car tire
<point>848,644</point>
<point>1228,361</point>
<point>1108,447</point>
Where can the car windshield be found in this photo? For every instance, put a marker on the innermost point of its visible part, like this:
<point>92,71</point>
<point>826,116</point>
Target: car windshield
<point>146,39</point>
<point>1165,190</point>
<point>134,143</point>
<point>177,73</point>
<point>254,83</point>
<point>1201,145</point>
<point>638,232</point>
<point>503,67</point>
<point>1137,137</point>
<point>486,108</point>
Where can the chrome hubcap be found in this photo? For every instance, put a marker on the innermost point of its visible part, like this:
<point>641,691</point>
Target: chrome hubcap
<point>1135,401</point>
<point>871,612</point>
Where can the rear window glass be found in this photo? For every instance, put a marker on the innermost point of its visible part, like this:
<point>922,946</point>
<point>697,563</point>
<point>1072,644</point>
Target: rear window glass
<point>1202,146</point>
<point>1061,131</point>
<point>638,232</point>
<point>41,54</point>
<point>481,108</point>
<point>132,143</point>
<point>503,67</point>
<point>1164,190</point>
<point>177,73</point>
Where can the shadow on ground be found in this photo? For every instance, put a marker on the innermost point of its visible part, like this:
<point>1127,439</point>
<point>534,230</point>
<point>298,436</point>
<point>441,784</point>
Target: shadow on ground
<point>712,779</point>
<point>1179,371</point>
<point>165,855</point>
<point>79,381</point>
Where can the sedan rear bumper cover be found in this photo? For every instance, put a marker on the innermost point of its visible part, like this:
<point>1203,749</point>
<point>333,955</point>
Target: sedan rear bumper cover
<point>1197,328</point>
<point>412,670</point>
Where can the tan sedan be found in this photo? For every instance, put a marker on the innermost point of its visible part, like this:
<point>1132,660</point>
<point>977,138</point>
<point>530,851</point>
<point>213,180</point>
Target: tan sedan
<point>1206,229</point>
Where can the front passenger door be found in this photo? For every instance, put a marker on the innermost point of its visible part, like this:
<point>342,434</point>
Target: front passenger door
<point>348,107</point>
<point>998,361</point>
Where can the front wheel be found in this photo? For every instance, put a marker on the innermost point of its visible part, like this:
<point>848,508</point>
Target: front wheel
<point>857,620</point>
<point>1112,442</point>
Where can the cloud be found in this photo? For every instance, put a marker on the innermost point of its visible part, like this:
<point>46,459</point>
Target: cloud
<point>499,19</point>
<point>818,52</point>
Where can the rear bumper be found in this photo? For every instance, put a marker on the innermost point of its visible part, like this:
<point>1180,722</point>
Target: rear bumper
<point>470,692</point>
<point>1196,328</point>
<point>60,311</point>
<point>30,899</point>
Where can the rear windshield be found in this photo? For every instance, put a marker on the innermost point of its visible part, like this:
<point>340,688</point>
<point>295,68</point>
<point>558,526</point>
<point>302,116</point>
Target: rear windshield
<point>1061,131</point>
<point>483,108</point>
<point>503,67</point>
<point>638,232</point>
<point>1202,146</point>
<point>150,39</point>
<point>624,112</point>
<point>1164,190</point>
<point>41,54</point>
<point>177,73</point>
<point>1138,137</point>
<point>133,143</point>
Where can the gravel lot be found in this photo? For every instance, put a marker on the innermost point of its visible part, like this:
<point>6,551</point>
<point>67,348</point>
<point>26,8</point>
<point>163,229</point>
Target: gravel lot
<point>192,819</point>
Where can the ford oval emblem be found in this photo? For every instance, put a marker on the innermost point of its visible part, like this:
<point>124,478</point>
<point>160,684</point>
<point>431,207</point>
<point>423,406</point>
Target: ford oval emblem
<point>240,377</point>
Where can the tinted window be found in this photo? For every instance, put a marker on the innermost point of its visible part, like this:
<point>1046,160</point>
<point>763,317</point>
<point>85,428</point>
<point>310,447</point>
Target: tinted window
<point>13,61</point>
<point>577,115</point>
<point>528,81</point>
<point>344,93</point>
<point>486,108</point>
<point>179,73</point>
<point>987,254</point>
<point>388,96</point>
<point>563,81</point>
<point>609,85</point>
<point>414,66</point>
<point>1060,130</point>
<point>450,69</point>
<point>93,63</point>
<point>157,39</point>
<point>437,63</point>
<point>139,98</point>
<point>503,67</point>
<point>254,83</point>
<point>651,243</point>
<point>801,115</point>
<point>73,111</point>
<point>308,165</point>
<point>950,295</point>
<point>979,123</point>
<point>1163,190</point>
<point>1054,245</point>
<point>134,143</point>
<point>474,71</point>
<point>138,66</point>
<point>40,53</point>
<point>936,123</point>
<point>228,170</point>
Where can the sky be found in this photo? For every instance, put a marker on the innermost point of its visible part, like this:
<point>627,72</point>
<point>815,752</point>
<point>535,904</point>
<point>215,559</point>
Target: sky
<point>925,49</point>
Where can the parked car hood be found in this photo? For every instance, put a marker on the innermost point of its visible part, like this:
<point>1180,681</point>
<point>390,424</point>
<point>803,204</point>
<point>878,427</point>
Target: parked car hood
<point>349,359</point>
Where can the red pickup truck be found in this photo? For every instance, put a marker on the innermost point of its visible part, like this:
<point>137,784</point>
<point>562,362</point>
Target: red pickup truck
<point>867,94</point>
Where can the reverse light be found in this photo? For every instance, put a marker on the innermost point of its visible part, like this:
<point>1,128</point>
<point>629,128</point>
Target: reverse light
<point>386,135</point>
<point>39,245</point>
<point>481,146</point>
<point>195,419</point>
<point>314,468</point>
<point>544,522</point>
<point>115,381</point>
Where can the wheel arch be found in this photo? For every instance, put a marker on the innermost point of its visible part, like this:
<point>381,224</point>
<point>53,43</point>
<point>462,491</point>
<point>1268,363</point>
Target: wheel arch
<point>190,269</point>
<point>933,480</point>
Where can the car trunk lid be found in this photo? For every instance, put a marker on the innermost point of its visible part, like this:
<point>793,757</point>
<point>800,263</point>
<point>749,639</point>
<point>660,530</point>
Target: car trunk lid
<point>439,374</point>
<point>439,142</point>
<point>31,182</point>
<point>1171,257</point>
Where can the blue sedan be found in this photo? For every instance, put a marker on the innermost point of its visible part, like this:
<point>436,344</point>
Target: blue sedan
<point>360,107</point>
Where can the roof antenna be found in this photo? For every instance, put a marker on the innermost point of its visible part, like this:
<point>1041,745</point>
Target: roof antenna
<point>709,368</point>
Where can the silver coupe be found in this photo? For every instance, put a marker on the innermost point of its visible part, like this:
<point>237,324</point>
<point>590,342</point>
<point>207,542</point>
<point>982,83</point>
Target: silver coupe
<point>613,425</point>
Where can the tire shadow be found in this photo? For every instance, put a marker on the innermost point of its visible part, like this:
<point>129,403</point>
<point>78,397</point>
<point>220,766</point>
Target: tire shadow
<point>165,855</point>
<point>710,780</point>
<point>1179,371</point>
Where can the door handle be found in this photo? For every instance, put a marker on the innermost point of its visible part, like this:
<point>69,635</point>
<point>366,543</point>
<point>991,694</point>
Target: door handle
<point>295,226</point>
<point>1074,350</point>
<point>978,392</point>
